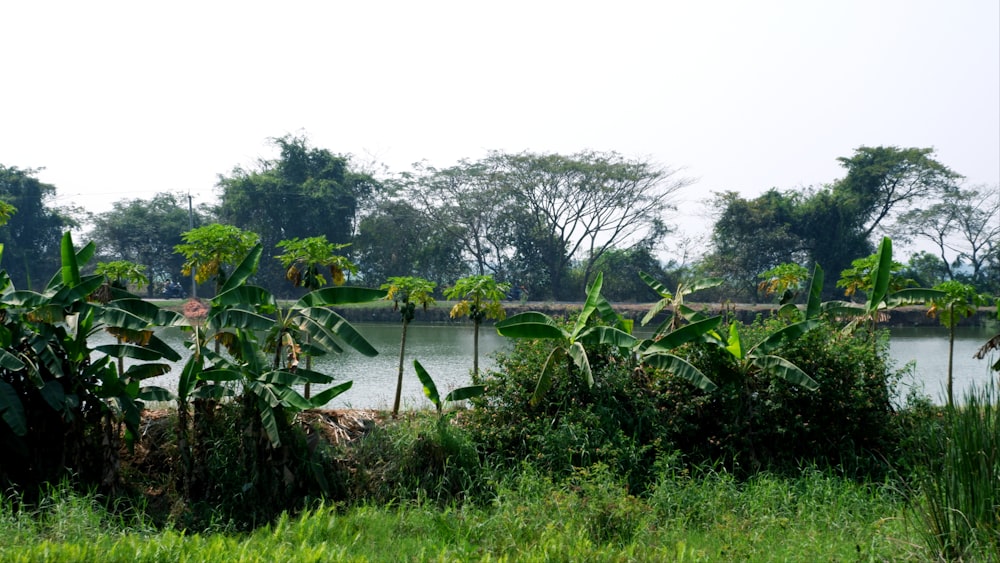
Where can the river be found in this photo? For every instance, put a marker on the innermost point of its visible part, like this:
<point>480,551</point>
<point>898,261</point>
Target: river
<point>446,352</point>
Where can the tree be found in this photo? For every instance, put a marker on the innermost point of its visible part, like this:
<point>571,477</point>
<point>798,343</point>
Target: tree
<point>303,260</point>
<point>959,300</point>
<point>304,192</point>
<point>213,250</point>
<point>468,201</point>
<point>883,181</point>
<point>578,207</point>
<point>752,236</point>
<point>397,239</point>
<point>479,298</point>
<point>145,232</point>
<point>406,293</point>
<point>31,236</point>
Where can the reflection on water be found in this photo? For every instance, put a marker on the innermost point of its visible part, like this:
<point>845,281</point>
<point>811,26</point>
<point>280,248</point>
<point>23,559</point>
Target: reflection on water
<point>446,352</point>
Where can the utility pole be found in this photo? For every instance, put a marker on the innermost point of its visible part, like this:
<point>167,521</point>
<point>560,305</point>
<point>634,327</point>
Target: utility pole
<point>194,284</point>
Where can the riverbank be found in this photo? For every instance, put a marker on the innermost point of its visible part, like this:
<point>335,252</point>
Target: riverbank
<point>915,316</point>
<point>383,312</point>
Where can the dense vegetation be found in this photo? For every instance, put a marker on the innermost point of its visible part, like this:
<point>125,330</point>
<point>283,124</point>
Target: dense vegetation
<point>705,439</point>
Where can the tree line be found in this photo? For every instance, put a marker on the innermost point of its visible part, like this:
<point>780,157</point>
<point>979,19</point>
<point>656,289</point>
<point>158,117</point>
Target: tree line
<point>547,224</point>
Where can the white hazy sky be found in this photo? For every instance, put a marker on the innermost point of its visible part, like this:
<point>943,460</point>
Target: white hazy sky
<point>126,99</point>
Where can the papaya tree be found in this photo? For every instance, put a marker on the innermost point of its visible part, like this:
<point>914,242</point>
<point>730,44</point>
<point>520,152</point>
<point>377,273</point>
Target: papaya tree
<point>210,251</point>
<point>959,301</point>
<point>406,294</point>
<point>307,262</point>
<point>479,298</point>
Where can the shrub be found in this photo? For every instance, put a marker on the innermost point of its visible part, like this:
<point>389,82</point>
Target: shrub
<point>768,423</point>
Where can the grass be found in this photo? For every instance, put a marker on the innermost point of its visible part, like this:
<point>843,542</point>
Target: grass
<point>957,499</point>
<point>591,516</point>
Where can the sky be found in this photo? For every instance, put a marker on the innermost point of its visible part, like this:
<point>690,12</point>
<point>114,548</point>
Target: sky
<point>121,100</point>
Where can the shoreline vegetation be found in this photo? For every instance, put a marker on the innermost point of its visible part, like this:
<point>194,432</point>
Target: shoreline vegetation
<point>740,436</point>
<point>746,313</point>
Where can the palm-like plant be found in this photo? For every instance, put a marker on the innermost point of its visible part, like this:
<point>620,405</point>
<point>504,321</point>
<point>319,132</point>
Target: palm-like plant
<point>673,301</point>
<point>46,360</point>
<point>306,261</point>
<point>959,301</point>
<point>406,294</point>
<point>479,298</point>
<point>571,343</point>
<point>874,275</point>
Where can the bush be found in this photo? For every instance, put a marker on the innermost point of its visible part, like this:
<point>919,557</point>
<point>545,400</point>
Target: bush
<point>763,422</point>
<point>615,422</point>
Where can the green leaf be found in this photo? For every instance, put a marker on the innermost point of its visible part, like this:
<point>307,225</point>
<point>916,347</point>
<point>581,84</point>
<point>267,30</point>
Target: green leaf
<point>606,335</point>
<point>787,334</point>
<point>142,371</point>
<point>12,410</point>
<point>593,299</point>
<point>784,369</point>
<point>733,343</point>
<point>815,303</point>
<point>338,325</point>
<point>189,376</point>
<point>129,351</point>
<point>9,361</point>
<point>680,367</point>
<point>556,357</point>
<point>269,422</point>
<point>463,393</point>
<point>430,389</point>
<point>320,399</point>
<point>246,269</point>
<point>70,267</point>
<point>579,355</point>
<point>154,393</point>
<point>531,325</point>
<point>882,274</point>
<point>238,318</point>
<point>685,334</point>
<point>247,296</point>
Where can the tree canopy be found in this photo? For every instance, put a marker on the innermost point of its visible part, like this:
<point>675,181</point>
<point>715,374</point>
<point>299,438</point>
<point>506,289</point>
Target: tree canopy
<point>32,235</point>
<point>305,192</point>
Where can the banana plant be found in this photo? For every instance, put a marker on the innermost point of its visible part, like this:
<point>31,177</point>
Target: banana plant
<point>884,293</point>
<point>673,302</point>
<point>48,358</point>
<point>269,383</point>
<point>431,391</point>
<point>572,344</point>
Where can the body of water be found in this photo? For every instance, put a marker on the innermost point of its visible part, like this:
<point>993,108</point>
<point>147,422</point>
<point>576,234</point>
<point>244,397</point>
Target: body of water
<point>446,352</point>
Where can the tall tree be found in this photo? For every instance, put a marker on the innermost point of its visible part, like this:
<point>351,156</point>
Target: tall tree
<point>577,207</point>
<point>753,236</point>
<point>145,232</point>
<point>883,181</point>
<point>32,236</point>
<point>398,240</point>
<point>964,226</point>
<point>469,202</point>
<point>305,192</point>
